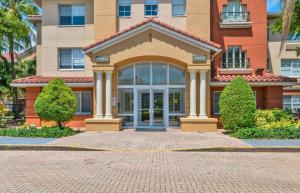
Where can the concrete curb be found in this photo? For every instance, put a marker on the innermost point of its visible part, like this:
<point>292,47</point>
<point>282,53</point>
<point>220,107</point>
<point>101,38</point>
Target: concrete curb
<point>245,149</point>
<point>45,148</point>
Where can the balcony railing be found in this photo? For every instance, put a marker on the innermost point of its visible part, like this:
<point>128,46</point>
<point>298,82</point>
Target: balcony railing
<point>235,63</point>
<point>235,17</point>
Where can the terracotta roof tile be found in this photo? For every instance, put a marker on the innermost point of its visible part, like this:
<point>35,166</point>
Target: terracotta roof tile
<point>43,79</point>
<point>255,78</point>
<point>152,20</point>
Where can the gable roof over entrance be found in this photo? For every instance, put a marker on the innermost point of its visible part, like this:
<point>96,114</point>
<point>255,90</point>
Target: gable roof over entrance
<point>156,25</point>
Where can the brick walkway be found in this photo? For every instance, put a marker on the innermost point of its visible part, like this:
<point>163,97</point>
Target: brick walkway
<point>134,140</point>
<point>154,172</point>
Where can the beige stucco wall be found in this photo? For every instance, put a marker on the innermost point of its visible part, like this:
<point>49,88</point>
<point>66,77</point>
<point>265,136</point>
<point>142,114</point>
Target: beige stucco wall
<point>55,37</point>
<point>164,15</point>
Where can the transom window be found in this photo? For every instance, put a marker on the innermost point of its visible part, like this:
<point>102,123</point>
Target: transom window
<point>71,58</point>
<point>291,102</point>
<point>234,11</point>
<point>179,7</point>
<point>151,7</point>
<point>290,67</point>
<point>71,15</point>
<point>84,102</point>
<point>124,8</point>
<point>234,57</point>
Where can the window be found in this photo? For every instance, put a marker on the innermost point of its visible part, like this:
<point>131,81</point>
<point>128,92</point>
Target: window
<point>176,105</point>
<point>124,8</point>
<point>179,7</point>
<point>290,67</point>
<point>234,11</point>
<point>71,59</point>
<point>125,76</point>
<point>151,7</point>
<point>71,15</point>
<point>234,57</point>
<point>291,102</point>
<point>84,102</point>
<point>293,37</point>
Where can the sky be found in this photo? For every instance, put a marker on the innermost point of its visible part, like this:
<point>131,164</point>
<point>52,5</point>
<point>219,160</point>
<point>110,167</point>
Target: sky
<point>273,5</point>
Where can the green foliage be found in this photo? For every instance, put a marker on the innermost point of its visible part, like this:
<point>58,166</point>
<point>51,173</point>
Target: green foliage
<point>2,123</point>
<point>279,132</point>
<point>265,117</point>
<point>56,102</point>
<point>44,132</point>
<point>237,105</point>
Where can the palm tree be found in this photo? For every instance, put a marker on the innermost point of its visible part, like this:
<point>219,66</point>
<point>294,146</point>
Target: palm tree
<point>18,32</point>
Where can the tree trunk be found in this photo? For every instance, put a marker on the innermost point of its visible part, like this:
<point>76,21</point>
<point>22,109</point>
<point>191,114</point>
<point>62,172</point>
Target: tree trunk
<point>60,125</point>
<point>13,76</point>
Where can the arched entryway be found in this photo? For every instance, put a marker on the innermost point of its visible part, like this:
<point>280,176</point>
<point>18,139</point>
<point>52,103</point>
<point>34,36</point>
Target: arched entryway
<point>151,95</point>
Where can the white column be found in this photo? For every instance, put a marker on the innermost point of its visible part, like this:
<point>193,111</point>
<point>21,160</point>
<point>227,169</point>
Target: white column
<point>193,94</point>
<point>203,114</point>
<point>99,113</point>
<point>108,114</point>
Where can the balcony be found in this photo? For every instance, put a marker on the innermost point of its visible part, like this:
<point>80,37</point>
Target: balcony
<point>235,20</point>
<point>235,66</point>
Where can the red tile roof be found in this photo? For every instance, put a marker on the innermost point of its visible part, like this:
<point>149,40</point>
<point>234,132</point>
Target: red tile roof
<point>255,78</point>
<point>43,79</point>
<point>152,20</point>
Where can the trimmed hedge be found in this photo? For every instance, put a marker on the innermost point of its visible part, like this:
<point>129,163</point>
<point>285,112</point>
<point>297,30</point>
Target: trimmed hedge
<point>237,105</point>
<point>265,117</point>
<point>274,133</point>
<point>32,132</point>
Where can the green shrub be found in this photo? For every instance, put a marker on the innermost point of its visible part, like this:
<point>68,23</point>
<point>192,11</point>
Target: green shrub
<point>56,102</point>
<point>2,123</point>
<point>274,133</point>
<point>237,105</point>
<point>44,132</point>
<point>265,117</point>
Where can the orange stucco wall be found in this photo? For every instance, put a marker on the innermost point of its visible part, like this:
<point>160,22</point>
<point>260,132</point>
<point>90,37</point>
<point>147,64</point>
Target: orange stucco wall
<point>253,40</point>
<point>32,118</point>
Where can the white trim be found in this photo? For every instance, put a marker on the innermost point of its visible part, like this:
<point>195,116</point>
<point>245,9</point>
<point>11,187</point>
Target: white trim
<point>24,85</point>
<point>216,84</point>
<point>158,28</point>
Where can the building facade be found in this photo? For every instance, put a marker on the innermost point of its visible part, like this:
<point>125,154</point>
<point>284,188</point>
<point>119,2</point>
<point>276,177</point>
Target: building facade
<point>151,64</point>
<point>285,63</point>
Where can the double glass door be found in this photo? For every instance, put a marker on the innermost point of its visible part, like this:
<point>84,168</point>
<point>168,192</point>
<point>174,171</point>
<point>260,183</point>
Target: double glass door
<point>151,108</point>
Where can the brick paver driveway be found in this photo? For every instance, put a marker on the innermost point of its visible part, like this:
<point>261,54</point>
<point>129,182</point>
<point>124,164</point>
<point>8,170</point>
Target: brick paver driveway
<point>162,171</point>
<point>136,140</point>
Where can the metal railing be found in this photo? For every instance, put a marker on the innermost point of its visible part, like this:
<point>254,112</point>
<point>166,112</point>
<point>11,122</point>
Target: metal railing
<point>235,63</point>
<point>231,17</point>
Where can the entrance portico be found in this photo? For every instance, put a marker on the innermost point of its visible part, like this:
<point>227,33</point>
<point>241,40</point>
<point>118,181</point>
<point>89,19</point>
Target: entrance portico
<point>152,76</point>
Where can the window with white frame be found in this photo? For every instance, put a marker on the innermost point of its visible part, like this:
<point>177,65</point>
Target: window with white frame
<point>179,7</point>
<point>216,101</point>
<point>84,102</point>
<point>151,7</point>
<point>71,58</point>
<point>291,102</point>
<point>234,57</point>
<point>71,15</point>
<point>234,11</point>
<point>290,67</point>
<point>124,7</point>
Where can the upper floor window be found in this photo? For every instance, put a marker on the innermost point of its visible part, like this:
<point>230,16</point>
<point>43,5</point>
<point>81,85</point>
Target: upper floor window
<point>71,15</point>
<point>234,11</point>
<point>124,8</point>
<point>179,7</point>
<point>151,7</point>
<point>234,57</point>
<point>71,59</point>
<point>290,67</point>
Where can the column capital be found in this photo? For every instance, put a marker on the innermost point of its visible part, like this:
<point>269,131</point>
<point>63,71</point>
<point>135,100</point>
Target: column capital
<point>108,71</point>
<point>98,71</point>
<point>203,70</point>
<point>192,71</point>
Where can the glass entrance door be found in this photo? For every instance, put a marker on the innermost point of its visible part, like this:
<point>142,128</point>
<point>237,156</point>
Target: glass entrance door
<point>151,108</point>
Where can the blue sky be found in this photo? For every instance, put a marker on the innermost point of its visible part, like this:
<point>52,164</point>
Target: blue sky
<point>273,5</point>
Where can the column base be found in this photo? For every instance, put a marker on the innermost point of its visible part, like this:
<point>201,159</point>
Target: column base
<point>103,124</point>
<point>198,125</point>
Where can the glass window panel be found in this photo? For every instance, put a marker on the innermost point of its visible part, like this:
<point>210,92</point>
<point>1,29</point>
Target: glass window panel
<point>126,102</point>
<point>127,120</point>
<point>142,74</point>
<point>65,15</point>
<point>159,73</point>
<point>290,67</point>
<point>78,14</point>
<point>78,58</point>
<point>216,99</point>
<point>86,102</point>
<point>151,7</point>
<point>177,101</point>
<point>78,101</point>
<point>125,76</point>
<point>124,8</point>
<point>176,76</point>
<point>65,58</point>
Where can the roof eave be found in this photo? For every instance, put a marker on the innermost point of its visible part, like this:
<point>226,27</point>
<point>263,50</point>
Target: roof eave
<point>25,85</point>
<point>218,84</point>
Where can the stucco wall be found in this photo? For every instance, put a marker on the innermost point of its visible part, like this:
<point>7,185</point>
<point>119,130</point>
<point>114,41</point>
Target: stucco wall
<point>55,37</point>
